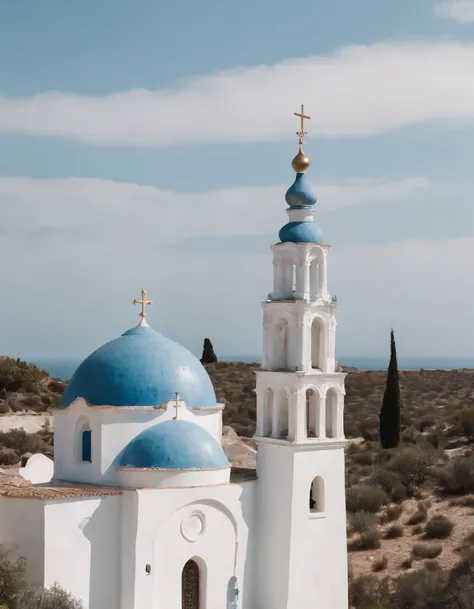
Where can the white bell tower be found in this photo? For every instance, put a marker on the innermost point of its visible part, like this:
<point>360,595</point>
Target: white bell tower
<point>300,401</point>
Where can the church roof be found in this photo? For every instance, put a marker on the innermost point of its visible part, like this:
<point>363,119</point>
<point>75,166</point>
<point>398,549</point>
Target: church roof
<point>140,368</point>
<point>301,195</point>
<point>301,232</point>
<point>175,444</point>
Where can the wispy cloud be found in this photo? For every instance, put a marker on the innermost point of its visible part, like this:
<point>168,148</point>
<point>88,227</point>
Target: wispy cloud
<point>359,90</point>
<point>76,251</point>
<point>95,209</point>
<point>457,10</point>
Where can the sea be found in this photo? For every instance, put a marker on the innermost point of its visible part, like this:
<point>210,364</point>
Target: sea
<point>64,368</point>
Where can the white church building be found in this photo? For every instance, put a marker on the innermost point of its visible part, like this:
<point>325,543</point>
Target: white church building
<point>144,509</point>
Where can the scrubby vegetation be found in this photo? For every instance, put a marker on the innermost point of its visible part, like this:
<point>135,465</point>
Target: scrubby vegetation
<point>26,387</point>
<point>409,508</point>
<point>15,593</point>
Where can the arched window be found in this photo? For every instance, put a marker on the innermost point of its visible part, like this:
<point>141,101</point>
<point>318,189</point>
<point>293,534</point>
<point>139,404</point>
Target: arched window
<point>316,496</point>
<point>86,445</point>
<point>190,586</point>
<point>83,440</point>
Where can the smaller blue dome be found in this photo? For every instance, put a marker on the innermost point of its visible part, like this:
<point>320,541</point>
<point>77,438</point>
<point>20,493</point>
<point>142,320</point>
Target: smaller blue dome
<point>300,195</point>
<point>301,232</point>
<point>174,445</point>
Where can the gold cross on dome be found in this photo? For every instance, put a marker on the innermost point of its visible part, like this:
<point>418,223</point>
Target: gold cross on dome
<point>144,302</point>
<point>301,133</point>
<point>176,405</point>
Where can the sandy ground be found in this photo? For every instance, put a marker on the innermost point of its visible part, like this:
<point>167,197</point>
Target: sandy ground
<point>398,550</point>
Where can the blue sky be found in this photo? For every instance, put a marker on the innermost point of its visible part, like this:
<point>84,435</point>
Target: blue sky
<point>148,144</point>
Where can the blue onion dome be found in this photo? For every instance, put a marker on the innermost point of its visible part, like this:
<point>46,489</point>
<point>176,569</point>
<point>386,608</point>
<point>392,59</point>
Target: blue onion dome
<point>175,444</point>
<point>300,195</point>
<point>140,368</point>
<point>300,232</point>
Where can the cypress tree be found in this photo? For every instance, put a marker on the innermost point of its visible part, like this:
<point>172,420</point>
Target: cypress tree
<point>390,411</point>
<point>208,355</point>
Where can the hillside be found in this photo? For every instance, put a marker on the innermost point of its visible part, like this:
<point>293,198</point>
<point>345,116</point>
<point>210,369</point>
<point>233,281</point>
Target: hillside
<point>408,509</point>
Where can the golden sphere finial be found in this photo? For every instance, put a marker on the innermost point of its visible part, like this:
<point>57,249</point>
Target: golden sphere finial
<point>301,162</point>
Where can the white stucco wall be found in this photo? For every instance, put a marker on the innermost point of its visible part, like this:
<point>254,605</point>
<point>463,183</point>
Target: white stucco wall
<point>83,547</point>
<point>302,559</point>
<point>210,525</point>
<point>22,533</point>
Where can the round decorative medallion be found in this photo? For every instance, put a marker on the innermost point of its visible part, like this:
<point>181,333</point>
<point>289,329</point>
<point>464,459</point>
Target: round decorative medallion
<point>192,527</point>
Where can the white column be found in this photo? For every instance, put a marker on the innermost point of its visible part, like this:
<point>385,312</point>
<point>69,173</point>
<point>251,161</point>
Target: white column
<point>340,417</point>
<point>307,279</point>
<point>300,280</point>
<point>321,418</point>
<point>298,410</point>
<point>261,414</point>
<point>276,415</point>
<point>276,280</point>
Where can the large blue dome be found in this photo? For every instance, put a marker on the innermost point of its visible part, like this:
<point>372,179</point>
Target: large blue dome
<point>140,368</point>
<point>174,445</point>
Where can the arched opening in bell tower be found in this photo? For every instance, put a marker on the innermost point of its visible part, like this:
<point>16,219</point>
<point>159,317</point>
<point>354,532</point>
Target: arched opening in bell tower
<point>318,343</point>
<point>268,409</point>
<point>331,413</point>
<point>316,496</point>
<point>314,278</point>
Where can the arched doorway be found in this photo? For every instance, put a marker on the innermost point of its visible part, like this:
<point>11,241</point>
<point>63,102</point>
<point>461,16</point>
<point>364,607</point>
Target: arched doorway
<point>190,586</point>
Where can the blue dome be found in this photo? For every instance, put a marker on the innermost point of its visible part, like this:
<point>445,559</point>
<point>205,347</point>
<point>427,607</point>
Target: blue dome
<point>300,195</point>
<point>301,232</point>
<point>174,445</point>
<point>140,368</point>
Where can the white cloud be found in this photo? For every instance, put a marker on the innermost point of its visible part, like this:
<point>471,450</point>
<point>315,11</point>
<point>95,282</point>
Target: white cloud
<point>457,10</point>
<point>94,208</point>
<point>75,252</point>
<point>359,90</point>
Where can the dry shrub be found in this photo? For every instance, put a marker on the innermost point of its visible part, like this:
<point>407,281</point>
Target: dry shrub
<point>365,498</point>
<point>9,456</point>
<point>394,512</point>
<point>380,564</point>
<point>420,589</point>
<point>438,527</point>
<point>418,517</point>
<point>369,591</point>
<point>385,478</point>
<point>394,532</point>
<point>457,476</point>
<point>426,550</point>
<point>360,522</point>
<point>412,464</point>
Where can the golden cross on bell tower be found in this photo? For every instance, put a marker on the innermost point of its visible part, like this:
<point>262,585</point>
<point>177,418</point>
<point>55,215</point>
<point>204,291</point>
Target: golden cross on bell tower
<point>301,133</point>
<point>144,302</point>
<point>176,406</point>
